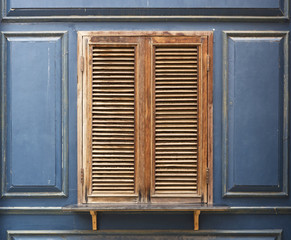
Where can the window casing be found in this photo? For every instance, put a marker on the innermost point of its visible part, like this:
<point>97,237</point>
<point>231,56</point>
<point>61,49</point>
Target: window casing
<point>145,117</point>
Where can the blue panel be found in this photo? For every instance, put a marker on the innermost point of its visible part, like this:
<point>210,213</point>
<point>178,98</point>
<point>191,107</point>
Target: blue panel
<point>34,115</point>
<point>90,235</point>
<point>255,110</point>
<point>143,3</point>
<point>219,27</point>
<point>77,237</point>
<point>158,9</point>
<point>33,82</point>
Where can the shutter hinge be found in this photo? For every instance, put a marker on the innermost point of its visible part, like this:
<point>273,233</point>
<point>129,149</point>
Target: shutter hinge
<point>82,175</point>
<point>207,175</point>
<point>208,63</point>
<point>82,64</point>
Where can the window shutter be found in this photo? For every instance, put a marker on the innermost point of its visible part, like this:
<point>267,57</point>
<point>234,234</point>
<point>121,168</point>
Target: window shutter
<point>110,113</point>
<point>113,80</point>
<point>178,156</point>
<point>143,117</point>
<point>176,129</point>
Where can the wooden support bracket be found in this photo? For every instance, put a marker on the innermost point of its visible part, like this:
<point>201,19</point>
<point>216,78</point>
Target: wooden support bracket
<point>196,220</point>
<point>94,220</point>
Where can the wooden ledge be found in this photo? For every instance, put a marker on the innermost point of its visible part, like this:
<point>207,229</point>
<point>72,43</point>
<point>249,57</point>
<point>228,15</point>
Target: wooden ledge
<point>195,208</point>
<point>203,208</point>
<point>143,207</point>
<point>71,209</point>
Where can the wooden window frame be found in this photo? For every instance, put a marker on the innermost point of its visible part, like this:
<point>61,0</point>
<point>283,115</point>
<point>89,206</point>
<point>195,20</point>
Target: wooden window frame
<point>144,155</point>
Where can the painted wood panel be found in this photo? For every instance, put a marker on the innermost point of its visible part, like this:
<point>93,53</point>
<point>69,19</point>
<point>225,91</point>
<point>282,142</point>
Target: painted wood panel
<point>34,114</point>
<point>143,235</point>
<point>255,124</point>
<point>155,9</point>
<point>141,4</point>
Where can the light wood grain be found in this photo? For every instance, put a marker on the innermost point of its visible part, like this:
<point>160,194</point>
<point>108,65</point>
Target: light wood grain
<point>145,117</point>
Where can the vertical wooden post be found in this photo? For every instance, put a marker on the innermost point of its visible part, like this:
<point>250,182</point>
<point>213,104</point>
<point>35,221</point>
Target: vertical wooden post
<point>196,220</point>
<point>94,220</point>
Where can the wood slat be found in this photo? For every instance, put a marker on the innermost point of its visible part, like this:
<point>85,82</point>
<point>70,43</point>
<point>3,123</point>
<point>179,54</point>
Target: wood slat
<point>184,83</point>
<point>104,59</point>
<point>177,70</point>
<point>109,54</point>
<point>180,184</point>
<point>109,85</point>
<point>187,53</point>
<point>176,74</point>
<point>176,120</point>
<point>101,63</point>
<point>191,78</point>
<point>176,66</point>
<point>171,161</point>
<point>176,165</point>
<point>174,61</point>
<point>177,179</point>
<point>181,57</point>
<point>113,109</point>
<point>109,160</point>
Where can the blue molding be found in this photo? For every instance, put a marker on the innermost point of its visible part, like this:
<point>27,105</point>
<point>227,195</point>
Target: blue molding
<point>54,191</point>
<point>146,13</point>
<point>275,234</point>
<point>225,124</point>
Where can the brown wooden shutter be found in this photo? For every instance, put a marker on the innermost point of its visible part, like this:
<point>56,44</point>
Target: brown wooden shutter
<point>143,117</point>
<point>113,79</point>
<point>110,172</point>
<point>178,157</point>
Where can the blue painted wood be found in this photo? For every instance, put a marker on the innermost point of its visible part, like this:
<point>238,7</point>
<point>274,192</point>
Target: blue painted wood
<point>145,222</point>
<point>34,161</point>
<point>141,9</point>
<point>268,11</point>
<point>255,106</point>
<point>143,3</point>
<point>33,83</point>
<point>193,235</point>
<point>72,95</point>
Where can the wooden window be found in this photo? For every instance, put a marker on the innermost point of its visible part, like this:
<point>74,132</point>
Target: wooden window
<point>145,117</point>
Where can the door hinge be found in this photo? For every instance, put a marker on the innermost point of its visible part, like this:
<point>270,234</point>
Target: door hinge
<point>82,64</point>
<point>207,175</point>
<point>82,175</point>
<point>208,63</point>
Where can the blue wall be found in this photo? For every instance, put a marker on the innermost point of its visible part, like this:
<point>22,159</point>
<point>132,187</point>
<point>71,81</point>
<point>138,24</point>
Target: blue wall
<point>39,113</point>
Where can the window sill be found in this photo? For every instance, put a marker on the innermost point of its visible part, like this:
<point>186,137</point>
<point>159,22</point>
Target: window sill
<point>143,207</point>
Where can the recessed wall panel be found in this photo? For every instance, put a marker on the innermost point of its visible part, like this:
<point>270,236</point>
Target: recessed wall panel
<point>256,110</point>
<point>33,114</point>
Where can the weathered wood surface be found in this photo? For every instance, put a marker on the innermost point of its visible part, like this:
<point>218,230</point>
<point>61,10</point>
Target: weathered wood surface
<point>143,123</point>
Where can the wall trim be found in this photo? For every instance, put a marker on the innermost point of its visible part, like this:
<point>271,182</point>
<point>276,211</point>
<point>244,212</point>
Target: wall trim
<point>276,233</point>
<point>145,14</point>
<point>134,18</point>
<point>276,210</point>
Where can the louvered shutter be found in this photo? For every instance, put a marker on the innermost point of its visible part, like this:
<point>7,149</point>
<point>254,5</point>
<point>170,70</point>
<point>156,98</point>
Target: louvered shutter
<point>110,172</point>
<point>113,78</point>
<point>178,125</point>
<point>143,117</point>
